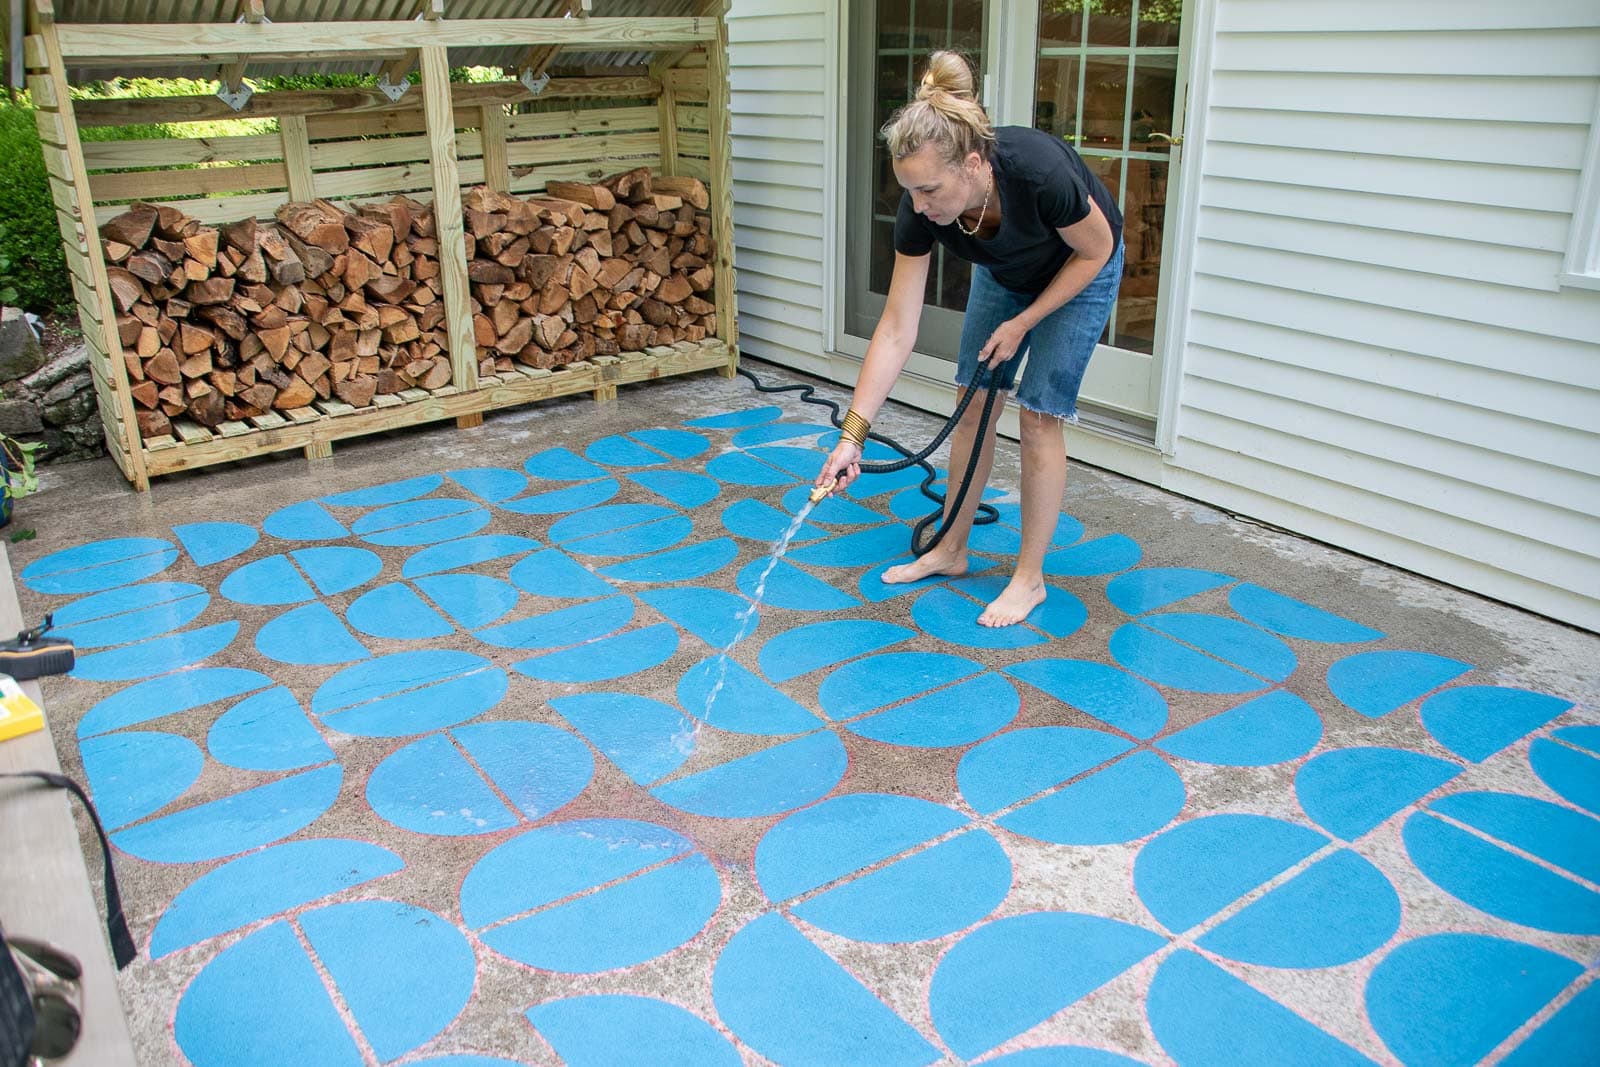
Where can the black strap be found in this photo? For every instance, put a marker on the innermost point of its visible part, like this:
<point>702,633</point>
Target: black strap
<point>122,947</point>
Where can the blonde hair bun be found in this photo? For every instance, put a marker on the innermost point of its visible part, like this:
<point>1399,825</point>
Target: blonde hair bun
<point>945,114</point>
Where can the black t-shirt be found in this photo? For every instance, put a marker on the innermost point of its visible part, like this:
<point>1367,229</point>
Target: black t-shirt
<point>1042,185</point>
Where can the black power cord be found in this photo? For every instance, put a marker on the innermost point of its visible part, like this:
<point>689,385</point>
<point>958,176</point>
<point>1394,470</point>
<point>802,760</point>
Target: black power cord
<point>986,512</point>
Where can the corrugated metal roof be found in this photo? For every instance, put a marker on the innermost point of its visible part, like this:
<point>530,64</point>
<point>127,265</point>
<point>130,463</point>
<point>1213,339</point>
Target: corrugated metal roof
<point>192,11</point>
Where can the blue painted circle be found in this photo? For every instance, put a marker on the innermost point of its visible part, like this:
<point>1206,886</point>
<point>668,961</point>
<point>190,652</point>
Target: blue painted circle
<point>1476,721</point>
<point>680,488</point>
<point>880,681</point>
<point>561,465</point>
<point>134,773</point>
<point>1150,588</point>
<point>421,522</point>
<point>1125,800</point>
<point>1376,683</point>
<point>131,613</point>
<point>235,823</point>
<point>1573,775</point>
<point>645,738</point>
<point>1202,653</point>
<point>743,703</point>
<point>821,644</point>
<point>1351,791</point>
<point>553,573</point>
<point>689,563</point>
<point>1197,868</point>
<point>99,565</point>
<point>395,611</point>
<point>310,634</point>
<point>471,600</point>
<point>306,521</point>
<point>213,542</point>
<point>1104,555</point>
<point>1115,697</point>
<point>1273,728</point>
<point>770,782</point>
<point>451,783</point>
<point>169,695</point>
<point>606,1029</point>
<point>409,693</point>
<point>156,655</point>
<point>951,617</point>
<point>387,493</point>
<point>561,501</point>
<point>609,657</point>
<point>734,419</point>
<point>783,585</point>
<point>1292,618</point>
<point>267,731</point>
<point>489,483</point>
<point>538,898</point>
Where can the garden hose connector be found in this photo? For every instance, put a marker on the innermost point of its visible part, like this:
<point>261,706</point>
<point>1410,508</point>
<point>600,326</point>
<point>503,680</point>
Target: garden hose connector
<point>820,493</point>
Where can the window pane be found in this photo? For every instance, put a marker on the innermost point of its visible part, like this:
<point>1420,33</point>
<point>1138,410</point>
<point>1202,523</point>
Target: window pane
<point>1155,84</point>
<point>882,256</point>
<point>1055,100</point>
<point>1110,22</point>
<point>1105,103</point>
<point>894,23</point>
<point>955,282</point>
<point>966,25</point>
<point>1159,21</point>
<point>1143,210</point>
<point>1060,23</point>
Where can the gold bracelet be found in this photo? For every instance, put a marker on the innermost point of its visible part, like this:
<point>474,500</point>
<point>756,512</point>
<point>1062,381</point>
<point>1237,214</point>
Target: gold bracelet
<point>855,428</point>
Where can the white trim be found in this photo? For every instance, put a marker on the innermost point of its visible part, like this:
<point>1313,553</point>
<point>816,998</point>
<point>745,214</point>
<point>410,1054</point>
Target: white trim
<point>1012,67</point>
<point>833,108</point>
<point>1582,267</point>
<point>1199,29</point>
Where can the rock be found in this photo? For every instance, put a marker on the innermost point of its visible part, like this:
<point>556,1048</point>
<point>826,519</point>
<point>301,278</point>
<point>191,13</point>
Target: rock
<point>70,362</point>
<point>20,352</point>
<point>74,409</point>
<point>19,417</point>
<point>67,387</point>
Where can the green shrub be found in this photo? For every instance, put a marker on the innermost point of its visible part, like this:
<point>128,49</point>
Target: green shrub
<point>30,243</point>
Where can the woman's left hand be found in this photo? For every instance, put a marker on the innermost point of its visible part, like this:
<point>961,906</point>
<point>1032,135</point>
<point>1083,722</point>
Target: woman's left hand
<point>1003,343</point>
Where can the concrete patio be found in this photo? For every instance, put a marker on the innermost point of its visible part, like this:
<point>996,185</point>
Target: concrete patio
<point>406,760</point>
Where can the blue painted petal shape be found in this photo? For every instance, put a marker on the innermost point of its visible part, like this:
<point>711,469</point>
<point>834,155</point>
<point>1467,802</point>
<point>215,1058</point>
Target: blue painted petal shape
<point>387,493</point>
<point>843,835</point>
<point>1493,880</point>
<point>647,739</point>
<point>268,731</point>
<point>1336,911</point>
<point>607,658</point>
<point>684,564</point>
<point>493,484</point>
<point>739,468</point>
<point>305,521</point>
<point>131,613</point>
<point>396,611</point>
<point>833,511</point>
<point>561,501</point>
<point>608,1029</point>
<point>1585,737</point>
<point>759,521</point>
<point>1476,721</point>
<point>1167,662</point>
<point>237,823</point>
<point>169,695</point>
<point>1068,530</point>
<point>1566,1038</point>
<point>269,882</point>
<point>1007,976</point>
<point>213,542</point>
<point>679,444</point>
<point>561,465</point>
<point>1573,775</point>
<point>686,490</point>
<point>790,1001</point>
<point>620,451</point>
<point>872,545</point>
<point>539,768</point>
<point>803,463</point>
<point>1273,728</point>
<point>308,635</point>
<point>732,419</point>
<point>565,626</point>
<point>99,565</point>
<point>1019,763</point>
<point>951,617</point>
<point>1104,555</point>
<point>337,569</point>
<point>428,787</point>
<point>1202,1014</point>
<point>409,513</point>
<point>744,704</point>
<point>1376,683</point>
<point>927,894</point>
<point>262,1002</point>
<point>472,600</point>
<point>790,587</point>
<point>821,644</point>
<point>1351,791</point>
<point>1292,618</point>
<point>1064,1056</point>
<point>1486,987</point>
<point>1149,588</point>
<point>136,773</point>
<point>156,656</point>
<point>553,573</point>
<point>769,782</point>
<point>269,581</point>
<point>426,533</point>
<point>781,431</point>
<point>958,715</point>
<point>1124,801</point>
<point>1115,697</point>
<point>1197,868</point>
<point>1061,615</point>
<point>608,519</point>
<point>407,994</point>
<point>453,555</point>
<point>878,681</point>
<point>873,485</point>
<point>714,616</point>
<point>1234,642</point>
<point>1559,836</point>
<point>409,693</point>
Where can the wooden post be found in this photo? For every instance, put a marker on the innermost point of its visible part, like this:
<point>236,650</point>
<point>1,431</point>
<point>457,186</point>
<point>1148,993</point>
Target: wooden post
<point>667,120</point>
<point>721,168</point>
<point>440,118</point>
<point>297,157</point>
<point>492,129</point>
<point>96,311</point>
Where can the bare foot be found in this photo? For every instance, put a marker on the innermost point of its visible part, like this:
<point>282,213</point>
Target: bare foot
<point>1014,603</point>
<point>938,561</point>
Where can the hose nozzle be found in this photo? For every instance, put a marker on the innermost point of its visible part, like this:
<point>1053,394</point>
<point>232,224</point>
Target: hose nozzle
<point>820,492</point>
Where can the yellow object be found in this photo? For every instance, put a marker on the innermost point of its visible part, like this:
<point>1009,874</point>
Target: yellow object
<point>18,713</point>
<point>820,492</point>
<point>855,428</point>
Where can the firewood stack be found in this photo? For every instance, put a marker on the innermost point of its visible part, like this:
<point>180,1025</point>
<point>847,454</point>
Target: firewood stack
<point>228,323</point>
<point>589,270</point>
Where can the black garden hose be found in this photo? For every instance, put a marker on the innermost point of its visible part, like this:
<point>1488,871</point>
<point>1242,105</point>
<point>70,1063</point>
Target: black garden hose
<point>986,512</point>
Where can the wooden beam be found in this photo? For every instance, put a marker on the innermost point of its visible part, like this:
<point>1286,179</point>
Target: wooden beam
<point>537,61</point>
<point>354,100</point>
<point>440,114</point>
<point>116,45</point>
<point>492,129</point>
<point>231,75</point>
<point>297,157</point>
<point>396,71</point>
<point>722,190</point>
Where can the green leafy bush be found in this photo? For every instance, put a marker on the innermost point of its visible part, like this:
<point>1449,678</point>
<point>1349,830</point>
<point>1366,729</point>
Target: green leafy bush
<point>34,269</point>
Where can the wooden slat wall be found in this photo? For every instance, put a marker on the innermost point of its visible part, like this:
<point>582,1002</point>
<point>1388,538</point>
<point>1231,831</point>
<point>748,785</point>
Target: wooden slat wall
<point>1379,352</point>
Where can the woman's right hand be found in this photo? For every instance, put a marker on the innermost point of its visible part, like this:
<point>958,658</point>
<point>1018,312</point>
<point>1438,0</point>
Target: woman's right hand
<point>842,467</point>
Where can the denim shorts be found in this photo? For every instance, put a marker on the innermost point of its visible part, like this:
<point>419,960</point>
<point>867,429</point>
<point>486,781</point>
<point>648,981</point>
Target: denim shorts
<point>1057,349</point>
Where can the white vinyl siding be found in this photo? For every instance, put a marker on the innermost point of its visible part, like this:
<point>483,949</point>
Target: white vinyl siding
<point>1380,353</point>
<point>777,61</point>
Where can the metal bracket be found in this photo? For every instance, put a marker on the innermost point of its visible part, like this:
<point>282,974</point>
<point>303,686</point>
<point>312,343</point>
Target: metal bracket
<point>391,90</point>
<point>535,85</point>
<point>235,100</point>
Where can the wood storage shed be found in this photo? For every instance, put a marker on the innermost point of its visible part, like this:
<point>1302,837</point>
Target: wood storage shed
<point>392,253</point>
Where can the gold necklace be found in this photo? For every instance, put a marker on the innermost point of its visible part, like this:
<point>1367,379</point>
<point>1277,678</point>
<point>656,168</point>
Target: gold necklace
<point>984,210</point>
